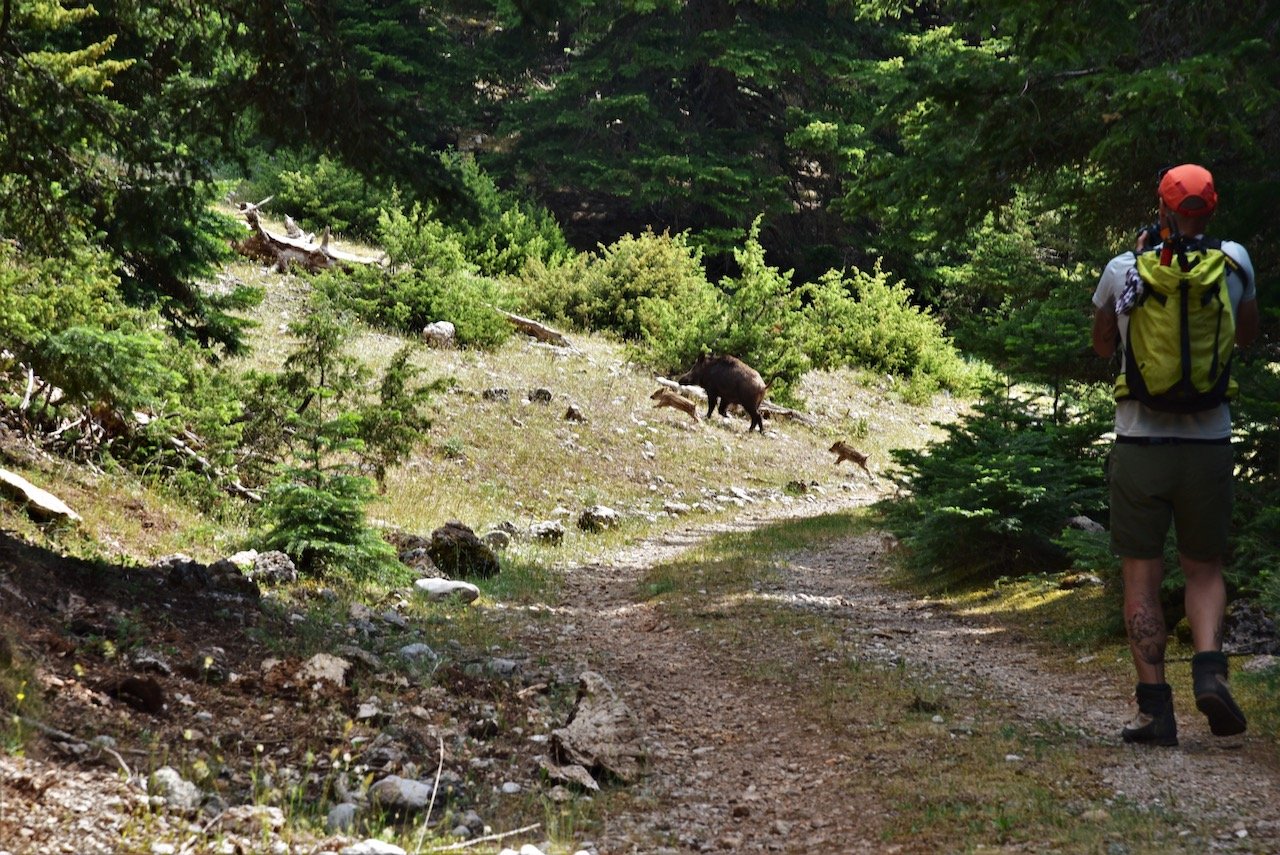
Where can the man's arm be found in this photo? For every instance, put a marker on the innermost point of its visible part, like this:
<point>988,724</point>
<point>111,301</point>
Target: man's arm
<point>1248,322</point>
<point>1106,332</point>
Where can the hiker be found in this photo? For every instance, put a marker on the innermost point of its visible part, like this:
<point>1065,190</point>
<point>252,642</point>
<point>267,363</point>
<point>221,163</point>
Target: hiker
<point>1172,458</point>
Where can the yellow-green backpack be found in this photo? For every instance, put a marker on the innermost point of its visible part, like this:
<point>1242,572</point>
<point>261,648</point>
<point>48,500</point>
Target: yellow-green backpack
<point>1182,331</point>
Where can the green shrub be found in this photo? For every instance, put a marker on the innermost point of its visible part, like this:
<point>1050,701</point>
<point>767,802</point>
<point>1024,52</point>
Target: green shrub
<point>419,240</point>
<point>1257,489</point>
<point>321,525</point>
<point>604,291</point>
<point>865,320</point>
<point>406,300</point>
<point>315,509</point>
<point>506,232</point>
<point>991,498</point>
<point>321,193</point>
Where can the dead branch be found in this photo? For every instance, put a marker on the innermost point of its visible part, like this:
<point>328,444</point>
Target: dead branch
<point>539,331</point>
<point>283,250</point>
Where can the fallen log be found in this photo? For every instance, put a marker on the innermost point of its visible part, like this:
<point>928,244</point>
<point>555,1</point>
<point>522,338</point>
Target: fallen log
<point>284,250</point>
<point>539,331</point>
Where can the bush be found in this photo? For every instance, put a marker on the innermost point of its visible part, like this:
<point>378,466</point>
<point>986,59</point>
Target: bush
<point>321,192</point>
<point>315,510</point>
<point>605,291</point>
<point>321,525</point>
<point>506,233</point>
<point>992,497</point>
<point>417,239</point>
<point>865,320</point>
<point>406,300</point>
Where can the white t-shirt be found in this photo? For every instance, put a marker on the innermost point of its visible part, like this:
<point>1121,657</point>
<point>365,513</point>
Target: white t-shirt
<point>1136,419</point>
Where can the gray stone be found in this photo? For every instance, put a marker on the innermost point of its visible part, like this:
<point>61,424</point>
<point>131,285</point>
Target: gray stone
<point>396,793</point>
<point>371,847</point>
<point>550,531</point>
<point>273,568</point>
<point>1085,524</point>
<point>598,518</point>
<point>251,819</point>
<point>496,539</point>
<point>417,652</point>
<point>39,504</point>
<point>440,334</point>
<point>178,793</point>
<point>244,559</point>
<point>602,734</point>
<point>324,668</point>
<point>342,817</point>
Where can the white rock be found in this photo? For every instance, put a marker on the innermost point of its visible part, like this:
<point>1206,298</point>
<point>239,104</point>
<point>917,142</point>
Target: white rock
<point>178,793</point>
<point>325,668</point>
<point>444,589</point>
<point>396,792</point>
<point>372,847</point>
<point>39,503</point>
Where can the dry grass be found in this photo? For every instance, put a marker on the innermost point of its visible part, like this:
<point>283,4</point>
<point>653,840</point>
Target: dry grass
<point>488,460</point>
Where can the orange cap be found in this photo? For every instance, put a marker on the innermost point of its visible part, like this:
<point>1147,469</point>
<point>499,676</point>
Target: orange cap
<point>1188,190</point>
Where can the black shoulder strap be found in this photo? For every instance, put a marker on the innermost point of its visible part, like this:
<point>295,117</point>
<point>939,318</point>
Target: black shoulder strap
<point>1235,266</point>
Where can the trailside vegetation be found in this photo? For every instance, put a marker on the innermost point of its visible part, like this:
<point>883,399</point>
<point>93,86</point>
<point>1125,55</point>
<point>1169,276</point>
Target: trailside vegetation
<point>920,190</point>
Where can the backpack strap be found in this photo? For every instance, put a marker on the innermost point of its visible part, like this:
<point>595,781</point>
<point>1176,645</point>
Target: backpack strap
<point>1232,265</point>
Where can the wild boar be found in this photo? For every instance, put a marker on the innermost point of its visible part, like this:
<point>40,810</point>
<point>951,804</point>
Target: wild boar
<point>845,451</point>
<point>667,398</point>
<point>728,380</point>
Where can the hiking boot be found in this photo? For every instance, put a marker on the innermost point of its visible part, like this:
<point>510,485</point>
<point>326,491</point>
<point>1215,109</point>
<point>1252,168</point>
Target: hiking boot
<point>1154,724</point>
<point>1213,697</point>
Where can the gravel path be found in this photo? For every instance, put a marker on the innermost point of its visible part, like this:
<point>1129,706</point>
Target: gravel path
<point>728,770</point>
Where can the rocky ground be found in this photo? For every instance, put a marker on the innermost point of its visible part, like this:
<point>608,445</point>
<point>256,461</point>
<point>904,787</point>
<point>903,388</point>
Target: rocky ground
<point>134,669</point>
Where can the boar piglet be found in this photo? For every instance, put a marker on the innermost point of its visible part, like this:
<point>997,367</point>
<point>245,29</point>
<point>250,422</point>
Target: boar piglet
<point>666,398</point>
<point>728,380</point>
<point>845,451</point>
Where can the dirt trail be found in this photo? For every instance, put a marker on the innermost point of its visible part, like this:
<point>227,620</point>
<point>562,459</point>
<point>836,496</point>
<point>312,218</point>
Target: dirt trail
<point>728,770</point>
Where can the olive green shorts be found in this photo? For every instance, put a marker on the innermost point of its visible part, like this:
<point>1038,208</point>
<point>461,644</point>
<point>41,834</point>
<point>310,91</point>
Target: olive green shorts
<point>1188,484</point>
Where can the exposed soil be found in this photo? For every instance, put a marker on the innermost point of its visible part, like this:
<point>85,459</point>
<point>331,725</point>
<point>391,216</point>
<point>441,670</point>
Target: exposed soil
<point>731,765</point>
<point>734,769</point>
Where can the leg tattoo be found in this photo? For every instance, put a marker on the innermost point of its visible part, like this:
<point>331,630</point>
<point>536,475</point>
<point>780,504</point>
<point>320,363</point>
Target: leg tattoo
<point>1147,636</point>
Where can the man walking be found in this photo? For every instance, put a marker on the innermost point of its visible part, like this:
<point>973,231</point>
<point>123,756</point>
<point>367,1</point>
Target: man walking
<point>1172,461</point>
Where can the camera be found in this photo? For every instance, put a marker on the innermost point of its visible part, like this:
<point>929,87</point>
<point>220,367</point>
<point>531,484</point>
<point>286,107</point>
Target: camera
<point>1152,233</point>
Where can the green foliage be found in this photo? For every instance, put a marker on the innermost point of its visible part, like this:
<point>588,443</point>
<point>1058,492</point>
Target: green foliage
<point>1256,414</point>
<point>419,240</point>
<point>865,320</point>
<point>698,117</point>
<point>315,509</point>
<point>122,367</point>
<point>323,527</point>
<point>324,193</point>
<point>393,425</point>
<point>101,150</point>
<point>407,299</point>
<point>763,322</point>
<point>616,288</point>
<point>505,232</point>
<point>992,497</point>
